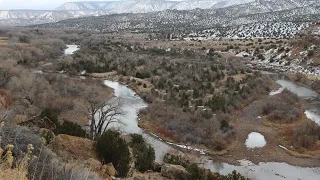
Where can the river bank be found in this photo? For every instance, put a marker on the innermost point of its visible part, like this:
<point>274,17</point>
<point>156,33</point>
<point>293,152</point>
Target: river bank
<point>273,152</point>
<point>252,162</point>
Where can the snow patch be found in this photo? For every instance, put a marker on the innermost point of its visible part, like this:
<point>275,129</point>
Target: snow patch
<point>255,140</point>
<point>71,49</point>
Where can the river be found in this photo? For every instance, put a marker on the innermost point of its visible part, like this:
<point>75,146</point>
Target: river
<point>131,104</point>
<point>311,96</point>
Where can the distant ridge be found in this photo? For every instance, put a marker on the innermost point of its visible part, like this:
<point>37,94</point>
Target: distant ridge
<point>72,10</point>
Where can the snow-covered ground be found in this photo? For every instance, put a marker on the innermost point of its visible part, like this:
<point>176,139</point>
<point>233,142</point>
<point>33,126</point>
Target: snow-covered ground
<point>252,30</point>
<point>272,93</point>
<point>282,67</point>
<point>71,49</point>
<point>255,140</point>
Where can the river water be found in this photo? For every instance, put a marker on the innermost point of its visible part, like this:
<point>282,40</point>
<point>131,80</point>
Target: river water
<point>131,104</point>
<point>311,96</point>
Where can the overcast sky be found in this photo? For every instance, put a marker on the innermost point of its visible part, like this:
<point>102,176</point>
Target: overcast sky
<point>34,4</point>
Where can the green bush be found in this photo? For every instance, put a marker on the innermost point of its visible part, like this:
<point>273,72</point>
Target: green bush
<point>142,75</point>
<point>112,148</point>
<point>70,128</point>
<point>176,160</point>
<point>234,176</point>
<point>50,114</point>
<point>144,154</point>
<point>217,103</point>
<point>200,173</point>
<point>195,172</point>
<point>224,125</point>
<point>310,53</point>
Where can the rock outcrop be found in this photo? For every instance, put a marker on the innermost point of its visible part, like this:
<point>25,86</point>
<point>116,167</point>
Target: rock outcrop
<point>74,148</point>
<point>174,172</point>
<point>77,149</point>
<point>92,164</point>
<point>109,170</point>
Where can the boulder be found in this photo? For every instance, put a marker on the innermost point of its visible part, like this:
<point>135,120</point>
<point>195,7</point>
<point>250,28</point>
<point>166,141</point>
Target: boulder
<point>174,172</point>
<point>74,148</point>
<point>92,164</point>
<point>108,169</point>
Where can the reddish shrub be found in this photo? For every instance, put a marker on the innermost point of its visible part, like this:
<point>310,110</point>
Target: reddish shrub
<point>164,132</point>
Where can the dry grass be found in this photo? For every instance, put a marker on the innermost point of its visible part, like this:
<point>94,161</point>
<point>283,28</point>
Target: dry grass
<point>12,174</point>
<point>196,45</point>
<point>3,41</point>
<point>298,155</point>
<point>19,172</point>
<point>313,77</point>
<point>103,75</point>
<point>285,136</point>
<point>147,126</point>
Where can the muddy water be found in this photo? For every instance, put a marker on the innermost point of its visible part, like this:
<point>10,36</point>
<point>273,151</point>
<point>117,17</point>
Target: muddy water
<point>277,171</point>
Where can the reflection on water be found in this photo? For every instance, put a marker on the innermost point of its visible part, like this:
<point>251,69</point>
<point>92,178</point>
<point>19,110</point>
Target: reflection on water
<point>300,91</point>
<point>131,104</point>
<point>314,112</point>
<point>266,171</point>
<point>313,115</point>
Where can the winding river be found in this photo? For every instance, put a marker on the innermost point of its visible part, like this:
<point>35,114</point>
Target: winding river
<point>313,98</point>
<point>132,103</point>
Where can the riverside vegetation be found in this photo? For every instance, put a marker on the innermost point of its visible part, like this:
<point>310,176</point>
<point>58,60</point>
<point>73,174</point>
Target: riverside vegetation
<point>36,107</point>
<point>195,99</point>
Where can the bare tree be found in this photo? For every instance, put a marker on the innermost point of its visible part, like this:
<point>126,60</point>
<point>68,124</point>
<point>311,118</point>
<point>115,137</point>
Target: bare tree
<point>102,114</point>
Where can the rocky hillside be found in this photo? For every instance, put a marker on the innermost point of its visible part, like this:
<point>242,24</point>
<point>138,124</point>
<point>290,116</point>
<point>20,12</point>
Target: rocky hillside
<point>225,22</point>
<point>235,8</point>
<point>299,55</point>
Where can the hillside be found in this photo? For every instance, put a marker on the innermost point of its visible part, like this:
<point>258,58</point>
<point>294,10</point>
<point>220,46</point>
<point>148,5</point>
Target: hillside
<point>97,8</point>
<point>226,22</point>
<point>87,5</point>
